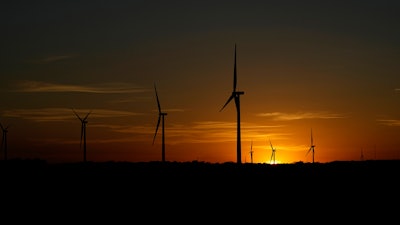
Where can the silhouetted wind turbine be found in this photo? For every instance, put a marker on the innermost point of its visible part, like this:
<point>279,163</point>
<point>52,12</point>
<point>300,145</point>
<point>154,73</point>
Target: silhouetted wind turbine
<point>83,132</point>
<point>4,140</point>
<point>311,147</point>
<point>160,117</point>
<point>251,152</point>
<point>273,153</point>
<point>236,95</point>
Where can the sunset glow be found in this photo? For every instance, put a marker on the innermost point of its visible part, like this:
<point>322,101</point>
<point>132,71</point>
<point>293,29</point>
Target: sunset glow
<point>326,68</point>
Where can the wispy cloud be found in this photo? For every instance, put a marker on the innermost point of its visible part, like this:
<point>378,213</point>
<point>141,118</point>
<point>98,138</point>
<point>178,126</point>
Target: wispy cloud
<point>62,114</point>
<point>196,132</point>
<point>133,99</point>
<point>104,88</point>
<point>301,115</point>
<point>218,131</point>
<point>51,59</point>
<point>105,113</point>
<point>202,132</point>
<point>205,125</point>
<point>389,122</point>
<point>170,110</point>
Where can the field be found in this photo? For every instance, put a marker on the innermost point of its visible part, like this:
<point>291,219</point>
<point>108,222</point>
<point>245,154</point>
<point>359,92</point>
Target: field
<point>204,191</point>
<point>340,172</point>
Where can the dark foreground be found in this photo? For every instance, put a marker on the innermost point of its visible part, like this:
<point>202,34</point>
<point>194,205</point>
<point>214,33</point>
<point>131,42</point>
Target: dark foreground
<point>190,170</point>
<point>195,192</point>
<point>201,173</point>
<point>40,168</point>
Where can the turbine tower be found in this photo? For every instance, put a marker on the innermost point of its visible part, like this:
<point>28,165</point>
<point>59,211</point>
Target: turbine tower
<point>83,132</point>
<point>272,160</point>
<point>236,95</point>
<point>4,140</point>
<point>311,148</point>
<point>160,117</point>
<point>251,152</point>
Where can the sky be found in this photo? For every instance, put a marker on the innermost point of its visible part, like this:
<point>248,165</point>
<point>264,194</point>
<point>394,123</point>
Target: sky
<point>322,69</point>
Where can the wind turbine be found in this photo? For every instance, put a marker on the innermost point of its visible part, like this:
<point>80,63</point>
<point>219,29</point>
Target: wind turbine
<point>4,140</point>
<point>160,117</point>
<point>83,132</point>
<point>311,148</point>
<point>251,152</point>
<point>273,153</point>
<point>236,95</point>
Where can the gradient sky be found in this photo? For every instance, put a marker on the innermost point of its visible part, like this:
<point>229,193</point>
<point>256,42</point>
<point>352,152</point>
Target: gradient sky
<point>330,67</point>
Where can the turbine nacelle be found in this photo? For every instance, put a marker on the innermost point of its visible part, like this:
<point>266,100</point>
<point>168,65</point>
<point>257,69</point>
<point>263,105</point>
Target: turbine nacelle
<point>236,93</point>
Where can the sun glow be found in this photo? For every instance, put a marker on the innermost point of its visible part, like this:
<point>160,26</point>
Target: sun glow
<point>274,162</point>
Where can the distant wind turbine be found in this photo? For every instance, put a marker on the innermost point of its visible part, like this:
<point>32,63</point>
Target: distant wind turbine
<point>83,132</point>
<point>236,95</point>
<point>160,117</point>
<point>311,148</point>
<point>272,160</point>
<point>251,152</point>
<point>4,140</point>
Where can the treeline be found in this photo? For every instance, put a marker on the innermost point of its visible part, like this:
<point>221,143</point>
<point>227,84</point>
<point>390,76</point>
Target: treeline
<point>37,167</point>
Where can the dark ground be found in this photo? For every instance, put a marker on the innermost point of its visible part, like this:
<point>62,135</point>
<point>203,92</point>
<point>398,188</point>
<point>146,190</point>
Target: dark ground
<point>198,189</point>
<point>350,174</point>
<point>29,169</point>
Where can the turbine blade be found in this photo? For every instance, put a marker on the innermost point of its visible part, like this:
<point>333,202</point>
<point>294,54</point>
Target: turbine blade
<point>158,124</point>
<point>1,126</point>
<point>87,115</point>
<point>158,101</point>
<point>77,115</point>
<point>271,145</point>
<point>229,99</point>
<point>234,72</point>
<point>311,138</point>
<point>309,150</point>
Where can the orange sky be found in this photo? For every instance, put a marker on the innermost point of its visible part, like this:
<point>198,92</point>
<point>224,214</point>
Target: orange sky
<point>329,67</point>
